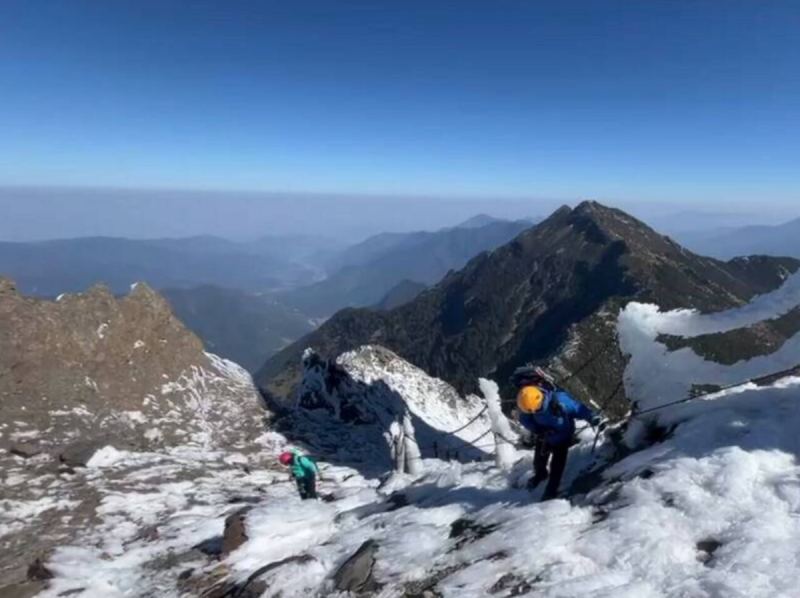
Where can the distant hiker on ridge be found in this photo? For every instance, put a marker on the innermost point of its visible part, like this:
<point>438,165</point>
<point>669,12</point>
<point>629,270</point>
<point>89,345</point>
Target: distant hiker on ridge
<point>550,414</point>
<point>304,470</point>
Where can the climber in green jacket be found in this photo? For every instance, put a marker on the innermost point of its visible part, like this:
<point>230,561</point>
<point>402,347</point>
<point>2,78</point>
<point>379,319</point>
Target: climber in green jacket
<point>304,471</point>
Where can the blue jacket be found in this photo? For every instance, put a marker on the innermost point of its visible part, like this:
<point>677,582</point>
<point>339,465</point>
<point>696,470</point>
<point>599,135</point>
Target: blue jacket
<point>555,420</point>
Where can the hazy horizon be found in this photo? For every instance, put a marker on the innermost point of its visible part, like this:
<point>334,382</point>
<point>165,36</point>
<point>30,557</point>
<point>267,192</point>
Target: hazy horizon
<point>38,214</point>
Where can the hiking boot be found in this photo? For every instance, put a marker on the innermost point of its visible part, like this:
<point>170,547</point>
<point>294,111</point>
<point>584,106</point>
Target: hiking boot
<point>535,481</point>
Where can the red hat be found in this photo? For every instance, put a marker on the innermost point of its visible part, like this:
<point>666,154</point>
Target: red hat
<point>285,458</point>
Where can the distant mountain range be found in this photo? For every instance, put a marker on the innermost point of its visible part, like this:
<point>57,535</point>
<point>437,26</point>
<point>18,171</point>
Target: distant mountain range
<point>365,273</point>
<point>53,267</point>
<point>549,295</point>
<point>780,240</point>
<point>237,325</point>
<point>236,296</point>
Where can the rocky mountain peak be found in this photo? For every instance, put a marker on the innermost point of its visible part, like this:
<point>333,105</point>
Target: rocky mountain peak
<point>550,295</point>
<point>89,374</point>
<point>98,358</point>
<point>604,224</point>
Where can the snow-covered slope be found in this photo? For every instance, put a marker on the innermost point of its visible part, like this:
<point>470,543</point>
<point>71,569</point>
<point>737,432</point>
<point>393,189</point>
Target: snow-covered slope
<point>63,485</point>
<point>711,512</point>
<point>656,375</point>
<point>706,505</point>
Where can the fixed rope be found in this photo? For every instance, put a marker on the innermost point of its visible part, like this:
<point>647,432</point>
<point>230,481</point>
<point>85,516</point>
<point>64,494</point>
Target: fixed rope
<point>469,423</point>
<point>776,375</point>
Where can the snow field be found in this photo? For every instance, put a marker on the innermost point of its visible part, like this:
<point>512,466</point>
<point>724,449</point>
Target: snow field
<point>726,476</point>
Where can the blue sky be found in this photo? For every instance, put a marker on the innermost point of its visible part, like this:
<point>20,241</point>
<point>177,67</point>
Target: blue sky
<point>652,100</point>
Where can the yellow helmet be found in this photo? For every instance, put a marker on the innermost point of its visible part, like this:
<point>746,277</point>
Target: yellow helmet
<point>529,399</point>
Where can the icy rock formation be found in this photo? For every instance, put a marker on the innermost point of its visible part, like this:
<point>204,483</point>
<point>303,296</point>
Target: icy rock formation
<point>363,393</point>
<point>504,437</point>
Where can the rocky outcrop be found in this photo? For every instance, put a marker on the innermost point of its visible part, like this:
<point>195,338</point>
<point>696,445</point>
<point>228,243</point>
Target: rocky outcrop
<point>86,380</point>
<point>91,366</point>
<point>346,409</point>
<point>355,574</point>
<point>551,295</point>
<point>235,533</point>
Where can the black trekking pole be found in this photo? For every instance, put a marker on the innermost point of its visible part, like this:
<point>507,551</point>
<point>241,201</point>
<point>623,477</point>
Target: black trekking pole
<point>596,437</point>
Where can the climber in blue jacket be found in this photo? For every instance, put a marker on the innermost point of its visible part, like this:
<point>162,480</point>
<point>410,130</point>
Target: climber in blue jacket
<point>550,414</point>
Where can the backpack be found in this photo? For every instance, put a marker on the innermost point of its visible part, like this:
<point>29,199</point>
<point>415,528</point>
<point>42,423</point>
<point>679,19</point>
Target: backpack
<point>531,375</point>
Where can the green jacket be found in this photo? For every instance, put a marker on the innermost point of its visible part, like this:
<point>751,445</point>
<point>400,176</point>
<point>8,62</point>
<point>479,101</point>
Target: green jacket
<point>303,466</point>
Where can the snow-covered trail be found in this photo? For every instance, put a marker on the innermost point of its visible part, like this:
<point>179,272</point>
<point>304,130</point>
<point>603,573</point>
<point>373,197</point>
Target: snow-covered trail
<point>714,510</point>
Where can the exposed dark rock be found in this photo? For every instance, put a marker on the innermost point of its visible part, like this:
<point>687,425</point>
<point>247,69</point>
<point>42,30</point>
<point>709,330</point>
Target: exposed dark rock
<point>253,587</point>
<point>211,547</point>
<point>426,588</point>
<point>645,473</point>
<point>706,549</point>
<point>24,450</point>
<point>204,583</point>
<point>467,531</point>
<point>511,583</point>
<point>600,514</point>
<point>235,533</point>
<point>356,573</point>
<point>148,534</point>
<point>557,285</point>
<point>398,500</point>
<point>78,454</point>
<point>498,556</point>
<point>27,589</point>
<point>38,571</point>
<point>655,433</point>
<point>251,500</point>
<point>216,583</point>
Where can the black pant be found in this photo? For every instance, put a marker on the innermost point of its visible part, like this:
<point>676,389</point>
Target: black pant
<point>307,486</point>
<point>542,454</point>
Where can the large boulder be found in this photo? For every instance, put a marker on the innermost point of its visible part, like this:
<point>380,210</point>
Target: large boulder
<point>235,531</point>
<point>356,573</point>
